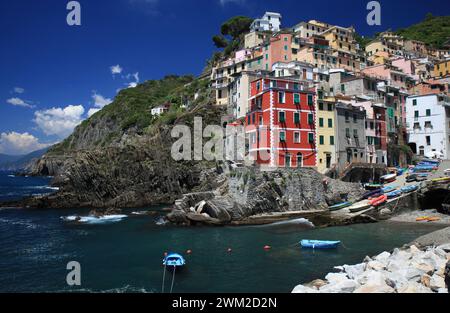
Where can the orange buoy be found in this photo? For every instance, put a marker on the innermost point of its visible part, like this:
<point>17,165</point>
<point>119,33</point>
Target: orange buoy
<point>189,252</point>
<point>267,247</point>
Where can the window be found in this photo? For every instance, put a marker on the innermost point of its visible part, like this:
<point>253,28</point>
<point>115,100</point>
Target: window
<point>347,132</point>
<point>320,122</point>
<point>321,106</point>
<point>258,86</point>
<point>296,86</point>
<point>428,125</point>
<point>311,137</point>
<point>342,88</point>
<point>282,117</point>
<point>416,125</point>
<point>347,117</point>
<point>281,97</point>
<point>321,140</point>
<point>332,140</point>
<point>355,118</point>
<point>310,100</point>
<point>416,114</point>
<point>310,119</point>
<point>330,107</point>
<point>296,137</point>
<point>285,48</point>
<point>296,98</point>
<point>330,123</point>
<point>282,136</point>
<point>428,138</point>
<point>267,56</point>
<point>355,133</point>
<point>428,112</point>
<point>296,118</point>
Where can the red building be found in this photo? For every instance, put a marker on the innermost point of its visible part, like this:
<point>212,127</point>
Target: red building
<point>280,124</point>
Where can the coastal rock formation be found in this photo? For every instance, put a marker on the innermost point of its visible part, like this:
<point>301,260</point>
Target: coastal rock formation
<point>248,191</point>
<point>409,270</point>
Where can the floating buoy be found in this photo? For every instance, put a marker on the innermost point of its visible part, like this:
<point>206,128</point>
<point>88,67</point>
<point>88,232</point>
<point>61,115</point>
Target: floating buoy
<point>229,250</point>
<point>165,253</point>
<point>189,252</point>
<point>267,247</point>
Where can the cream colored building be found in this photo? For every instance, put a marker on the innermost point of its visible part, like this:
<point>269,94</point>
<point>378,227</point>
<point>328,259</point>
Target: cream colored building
<point>326,134</point>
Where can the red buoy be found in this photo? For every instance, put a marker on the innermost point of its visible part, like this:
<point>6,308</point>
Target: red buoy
<point>165,253</point>
<point>267,247</point>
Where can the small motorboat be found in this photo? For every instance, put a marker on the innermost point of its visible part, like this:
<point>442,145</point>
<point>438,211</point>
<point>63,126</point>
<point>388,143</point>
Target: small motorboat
<point>389,178</point>
<point>442,180</point>
<point>340,206</point>
<point>422,218</point>
<point>372,186</point>
<point>408,189</point>
<point>378,201</point>
<point>394,194</point>
<point>373,193</point>
<point>400,171</point>
<point>319,244</point>
<point>174,260</point>
<point>360,206</point>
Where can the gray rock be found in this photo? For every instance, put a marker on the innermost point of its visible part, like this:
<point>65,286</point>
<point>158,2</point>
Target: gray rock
<point>334,278</point>
<point>343,286</point>
<point>353,271</point>
<point>414,287</point>
<point>437,282</point>
<point>303,289</point>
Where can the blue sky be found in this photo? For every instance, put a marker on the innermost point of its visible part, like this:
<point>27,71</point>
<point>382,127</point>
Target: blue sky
<point>53,75</point>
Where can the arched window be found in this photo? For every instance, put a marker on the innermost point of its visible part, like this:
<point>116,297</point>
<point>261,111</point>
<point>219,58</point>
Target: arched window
<point>299,160</point>
<point>287,160</point>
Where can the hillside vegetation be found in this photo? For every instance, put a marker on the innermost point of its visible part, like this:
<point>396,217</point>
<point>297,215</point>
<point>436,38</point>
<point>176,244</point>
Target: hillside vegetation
<point>433,30</point>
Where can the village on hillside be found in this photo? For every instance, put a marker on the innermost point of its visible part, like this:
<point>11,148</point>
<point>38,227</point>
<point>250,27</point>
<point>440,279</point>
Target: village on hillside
<point>316,98</point>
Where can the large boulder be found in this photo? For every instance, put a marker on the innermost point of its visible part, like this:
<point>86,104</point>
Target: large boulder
<point>447,276</point>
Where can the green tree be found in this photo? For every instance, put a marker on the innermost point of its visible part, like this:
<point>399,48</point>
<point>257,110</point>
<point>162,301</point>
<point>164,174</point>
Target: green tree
<point>236,26</point>
<point>220,41</point>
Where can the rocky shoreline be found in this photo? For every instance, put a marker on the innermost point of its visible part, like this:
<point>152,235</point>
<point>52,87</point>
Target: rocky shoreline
<point>422,266</point>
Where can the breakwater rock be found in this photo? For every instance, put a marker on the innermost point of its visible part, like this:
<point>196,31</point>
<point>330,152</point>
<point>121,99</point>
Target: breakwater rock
<point>249,192</point>
<point>408,270</point>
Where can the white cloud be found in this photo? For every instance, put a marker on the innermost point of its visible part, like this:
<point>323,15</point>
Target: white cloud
<point>59,121</point>
<point>116,69</point>
<point>19,102</point>
<point>92,111</point>
<point>135,76</point>
<point>19,90</point>
<point>16,144</point>
<point>100,101</point>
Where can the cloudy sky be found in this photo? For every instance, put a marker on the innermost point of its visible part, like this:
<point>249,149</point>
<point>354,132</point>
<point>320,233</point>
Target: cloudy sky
<point>53,76</point>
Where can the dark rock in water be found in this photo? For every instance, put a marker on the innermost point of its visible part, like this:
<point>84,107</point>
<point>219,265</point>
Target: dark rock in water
<point>100,213</point>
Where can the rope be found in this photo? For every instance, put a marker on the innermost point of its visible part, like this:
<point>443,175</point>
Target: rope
<point>173,278</point>
<point>164,277</point>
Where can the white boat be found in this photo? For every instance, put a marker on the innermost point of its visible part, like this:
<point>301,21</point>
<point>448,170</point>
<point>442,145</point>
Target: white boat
<point>389,177</point>
<point>362,205</point>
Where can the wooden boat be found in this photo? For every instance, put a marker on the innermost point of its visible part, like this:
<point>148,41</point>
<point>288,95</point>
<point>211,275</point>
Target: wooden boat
<point>422,218</point>
<point>360,206</point>
<point>408,189</point>
<point>340,206</point>
<point>373,193</point>
<point>389,178</point>
<point>433,219</point>
<point>372,186</point>
<point>394,194</point>
<point>378,201</point>
<point>319,244</point>
<point>173,260</point>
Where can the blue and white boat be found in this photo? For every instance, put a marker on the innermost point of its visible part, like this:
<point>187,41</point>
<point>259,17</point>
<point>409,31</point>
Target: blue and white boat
<point>394,194</point>
<point>319,244</point>
<point>174,260</point>
<point>409,189</point>
<point>388,189</point>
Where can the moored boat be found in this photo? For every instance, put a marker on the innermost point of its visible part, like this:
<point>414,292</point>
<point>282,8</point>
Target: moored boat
<point>389,178</point>
<point>360,206</point>
<point>442,180</point>
<point>388,189</point>
<point>372,186</point>
<point>373,193</point>
<point>174,260</point>
<point>319,244</point>
<point>339,206</point>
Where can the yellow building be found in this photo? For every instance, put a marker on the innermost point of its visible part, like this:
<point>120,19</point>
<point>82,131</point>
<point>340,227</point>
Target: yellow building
<point>341,38</point>
<point>326,134</point>
<point>442,69</point>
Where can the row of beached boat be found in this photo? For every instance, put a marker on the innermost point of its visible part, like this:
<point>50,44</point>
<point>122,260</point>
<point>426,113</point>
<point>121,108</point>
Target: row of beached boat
<point>374,198</point>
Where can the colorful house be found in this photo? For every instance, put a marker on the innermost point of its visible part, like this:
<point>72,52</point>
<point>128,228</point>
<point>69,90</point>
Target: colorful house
<point>281,124</point>
<point>326,132</point>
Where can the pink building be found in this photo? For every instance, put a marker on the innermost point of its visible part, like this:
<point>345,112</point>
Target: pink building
<point>279,49</point>
<point>395,77</point>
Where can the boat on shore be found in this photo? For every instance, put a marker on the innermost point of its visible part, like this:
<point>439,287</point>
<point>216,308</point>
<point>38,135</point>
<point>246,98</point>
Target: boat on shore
<point>388,189</point>
<point>378,201</point>
<point>389,178</point>
<point>340,206</point>
<point>408,189</point>
<point>319,244</point>
<point>442,180</point>
<point>373,193</point>
<point>360,206</point>
<point>394,194</point>
<point>373,186</point>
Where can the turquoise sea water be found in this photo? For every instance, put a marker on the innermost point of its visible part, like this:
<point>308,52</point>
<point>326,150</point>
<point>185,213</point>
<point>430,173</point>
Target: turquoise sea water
<point>126,255</point>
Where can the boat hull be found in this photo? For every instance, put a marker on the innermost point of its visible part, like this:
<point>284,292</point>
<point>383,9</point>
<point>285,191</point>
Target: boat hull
<point>318,244</point>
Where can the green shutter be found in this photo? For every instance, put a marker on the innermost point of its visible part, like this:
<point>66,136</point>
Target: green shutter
<point>330,123</point>
<point>415,102</point>
<point>282,136</point>
<point>320,122</point>
<point>297,118</point>
<point>310,100</point>
<point>310,119</point>
<point>321,140</point>
<point>282,116</point>
<point>296,98</point>
<point>332,140</point>
<point>311,138</point>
